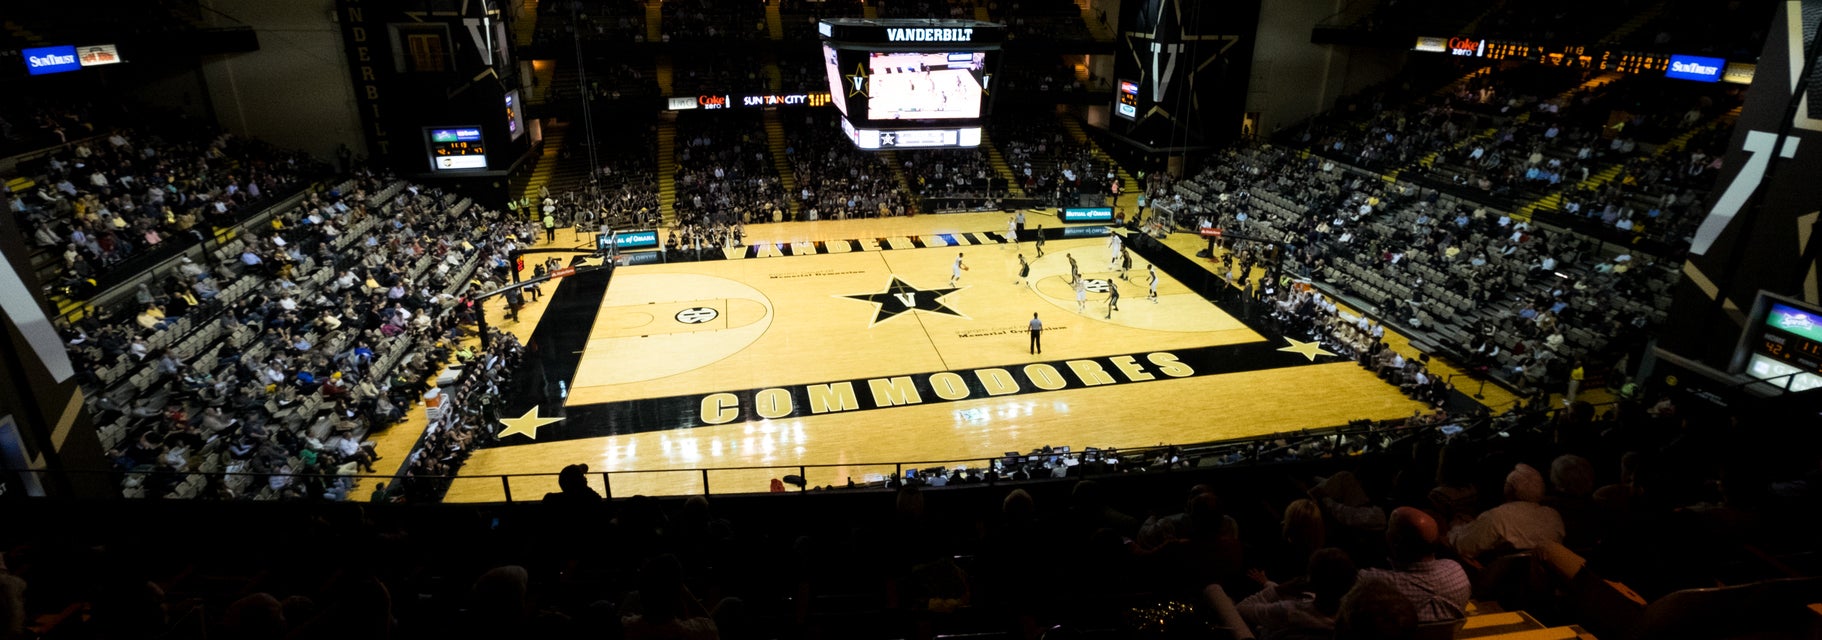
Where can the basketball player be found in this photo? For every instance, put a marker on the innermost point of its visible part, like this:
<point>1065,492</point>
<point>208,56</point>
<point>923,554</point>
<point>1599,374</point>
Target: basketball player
<point>1024,270</point>
<point>1074,273</point>
<point>1113,298</point>
<point>1081,296</point>
<point>1125,263</point>
<point>955,272</point>
<point>1040,232</point>
<point>1153,270</point>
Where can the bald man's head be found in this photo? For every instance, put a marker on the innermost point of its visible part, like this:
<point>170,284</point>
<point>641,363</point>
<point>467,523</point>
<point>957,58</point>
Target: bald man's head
<point>1411,534</point>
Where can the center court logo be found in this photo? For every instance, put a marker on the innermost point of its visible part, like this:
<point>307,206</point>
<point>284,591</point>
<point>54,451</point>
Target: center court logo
<point>901,297</point>
<point>697,315</point>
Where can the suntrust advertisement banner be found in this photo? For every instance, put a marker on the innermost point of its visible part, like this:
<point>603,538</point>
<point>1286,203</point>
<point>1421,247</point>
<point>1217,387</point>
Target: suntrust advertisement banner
<point>1695,68</point>
<point>45,60</point>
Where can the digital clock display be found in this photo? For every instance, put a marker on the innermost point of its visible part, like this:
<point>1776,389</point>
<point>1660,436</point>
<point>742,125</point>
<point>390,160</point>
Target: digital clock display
<point>1631,62</point>
<point>457,149</point>
<point>1503,50</point>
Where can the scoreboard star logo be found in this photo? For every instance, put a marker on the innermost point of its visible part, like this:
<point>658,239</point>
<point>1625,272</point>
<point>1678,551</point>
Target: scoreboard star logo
<point>857,81</point>
<point>900,297</point>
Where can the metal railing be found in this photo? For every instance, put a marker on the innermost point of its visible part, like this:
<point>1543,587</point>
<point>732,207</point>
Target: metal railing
<point>1248,451</point>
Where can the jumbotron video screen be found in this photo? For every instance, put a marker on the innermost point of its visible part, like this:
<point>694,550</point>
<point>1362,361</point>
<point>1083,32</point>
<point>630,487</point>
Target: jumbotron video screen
<point>926,86</point>
<point>912,83</point>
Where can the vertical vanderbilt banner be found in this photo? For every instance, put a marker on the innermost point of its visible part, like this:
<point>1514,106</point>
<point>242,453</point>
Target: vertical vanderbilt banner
<point>1757,234</point>
<point>364,37</point>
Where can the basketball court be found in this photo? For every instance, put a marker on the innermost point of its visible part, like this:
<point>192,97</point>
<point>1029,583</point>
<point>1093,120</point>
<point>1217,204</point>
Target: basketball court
<point>854,351</point>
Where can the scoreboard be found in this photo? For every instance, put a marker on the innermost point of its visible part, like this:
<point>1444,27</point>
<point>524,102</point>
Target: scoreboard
<point>1783,346</point>
<point>911,82</point>
<point>1128,105</point>
<point>456,149</point>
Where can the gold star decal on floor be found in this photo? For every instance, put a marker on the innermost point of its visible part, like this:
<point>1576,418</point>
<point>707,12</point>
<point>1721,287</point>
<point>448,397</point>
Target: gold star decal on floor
<point>1307,349</point>
<point>526,425</point>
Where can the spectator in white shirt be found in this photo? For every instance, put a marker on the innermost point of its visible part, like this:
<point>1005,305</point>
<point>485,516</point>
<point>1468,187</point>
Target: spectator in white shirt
<point>1520,524</point>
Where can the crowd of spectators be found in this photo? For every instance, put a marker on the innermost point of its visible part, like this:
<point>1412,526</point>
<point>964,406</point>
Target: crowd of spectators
<point>1416,16</point>
<point>27,125</point>
<point>803,74</point>
<point>725,172</point>
<point>1732,30</point>
<point>701,20</point>
<point>800,16</point>
<point>1059,20</point>
<point>299,343</point>
<point>1529,304</point>
<point>952,9</point>
<point>1046,74</point>
<point>596,22</point>
<point>1658,197</point>
<point>1528,512</point>
<point>1550,135</point>
<point>1049,165</point>
<point>717,75</point>
<point>1559,21</point>
<point>834,179</point>
<point>613,80</point>
<point>953,178</point>
<point>100,203</point>
<point>464,421</point>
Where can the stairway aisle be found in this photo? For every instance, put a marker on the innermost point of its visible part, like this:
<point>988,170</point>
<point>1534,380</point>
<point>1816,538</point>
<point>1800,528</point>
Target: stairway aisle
<point>544,77</point>
<point>526,28</point>
<point>774,76</point>
<point>667,172</point>
<point>1591,83</point>
<point>1611,172</point>
<point>775,141</point>
<point>1129,186</point>
<point>1638,20</point>
<point>1102,31</point>
<point>774,23</point>
<point>666,74</point>
<point>545,165</point>
<point>1452,86</point>
<point>897,168</point>
<point>1430,159</point>
<point>654,21</point>
<point>1001,167</point>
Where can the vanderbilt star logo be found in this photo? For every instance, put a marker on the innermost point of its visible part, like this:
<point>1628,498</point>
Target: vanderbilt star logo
<point>857,81</point>
<point>525,425</point>
<point>900,297</point>
<point>1164,35</point>
<point>1306,349</point>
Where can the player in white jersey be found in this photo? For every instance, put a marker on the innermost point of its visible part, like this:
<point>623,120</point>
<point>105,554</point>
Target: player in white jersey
<point>1153,270</point>
<point>955,272</point>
